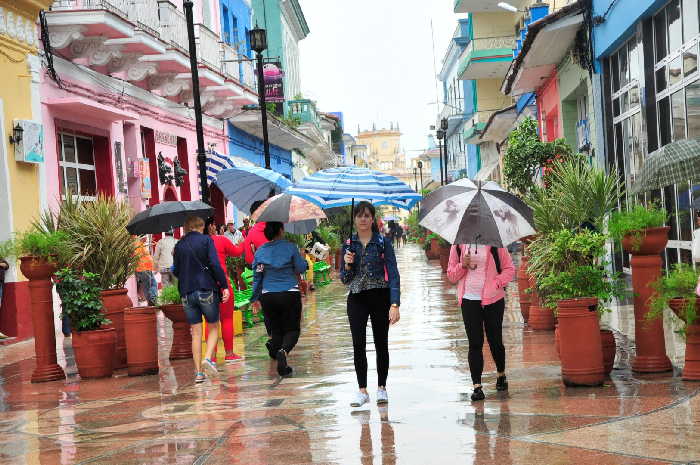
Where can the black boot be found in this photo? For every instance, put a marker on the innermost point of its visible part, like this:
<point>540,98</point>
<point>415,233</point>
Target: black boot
<point>282,368</point>
<point>478,394</point>
<point>501,383</point>
<point>271,350</point>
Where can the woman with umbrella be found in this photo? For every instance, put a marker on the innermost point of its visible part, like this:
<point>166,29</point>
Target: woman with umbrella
<point>225,248</point>
<point>372,276</point>
<point>276,266</point>
<point>481,220</point>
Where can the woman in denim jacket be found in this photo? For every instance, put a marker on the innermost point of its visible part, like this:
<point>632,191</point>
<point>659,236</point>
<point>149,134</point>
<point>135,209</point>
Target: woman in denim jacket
<point>372,277</point>
<point>277,265</point>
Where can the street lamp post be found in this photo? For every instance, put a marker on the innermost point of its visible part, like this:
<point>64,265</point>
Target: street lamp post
<point>201,154</point>
<point>258,43</point>
<point>440,136</point>
<point>420,169</point>
<point>444,125</point>
<point>415,177</point>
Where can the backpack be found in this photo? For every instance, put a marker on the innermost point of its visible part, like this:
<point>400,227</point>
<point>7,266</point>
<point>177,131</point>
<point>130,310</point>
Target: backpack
<point>494,254</point>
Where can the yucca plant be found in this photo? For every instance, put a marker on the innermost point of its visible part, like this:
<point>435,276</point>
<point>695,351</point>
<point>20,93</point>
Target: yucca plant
<point>99,241</point>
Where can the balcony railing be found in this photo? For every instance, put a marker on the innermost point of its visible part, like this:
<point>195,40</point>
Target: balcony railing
<point>173,26</point>
<point>118,7</point>
<point>489,43</point>
<point>249,76</point>
<point>208,48</point>
<point>144,14</point>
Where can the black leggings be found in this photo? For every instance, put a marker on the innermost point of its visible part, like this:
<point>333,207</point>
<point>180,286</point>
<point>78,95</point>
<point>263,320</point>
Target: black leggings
<point>476,319</point>
<point>282,312</point>
<point>373,303</point>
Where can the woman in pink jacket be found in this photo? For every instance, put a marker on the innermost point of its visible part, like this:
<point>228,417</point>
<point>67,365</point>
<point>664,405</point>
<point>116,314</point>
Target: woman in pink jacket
<point>481,274</point>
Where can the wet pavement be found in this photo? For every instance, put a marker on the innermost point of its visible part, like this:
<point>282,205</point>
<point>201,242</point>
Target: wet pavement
<point>250,416</point>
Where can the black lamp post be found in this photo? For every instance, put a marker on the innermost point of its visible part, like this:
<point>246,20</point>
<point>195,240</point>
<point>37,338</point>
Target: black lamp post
<point>258,43</point>
<point>201,154</point>
<point>420,169</point>
<point>415,177</point>
<point>440,136</point>
<point>444,125</point>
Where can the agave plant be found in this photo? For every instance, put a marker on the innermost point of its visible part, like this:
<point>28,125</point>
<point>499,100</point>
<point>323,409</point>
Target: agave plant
<point>99,241</point>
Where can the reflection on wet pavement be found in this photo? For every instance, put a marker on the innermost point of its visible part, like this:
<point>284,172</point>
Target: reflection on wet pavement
<point>250,416</point>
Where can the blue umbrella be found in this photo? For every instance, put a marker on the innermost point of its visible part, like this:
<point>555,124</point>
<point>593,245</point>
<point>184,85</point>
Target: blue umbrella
<point>244,185</point>
<point>339,187</point>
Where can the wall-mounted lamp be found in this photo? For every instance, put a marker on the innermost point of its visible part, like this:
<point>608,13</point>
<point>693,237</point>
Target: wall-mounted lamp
<point>17,132</point>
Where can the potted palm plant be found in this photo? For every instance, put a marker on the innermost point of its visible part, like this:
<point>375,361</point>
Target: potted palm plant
<point>93,342</point>
<point>678,291</point>
<point>100,244</point>
<point>171,304</point>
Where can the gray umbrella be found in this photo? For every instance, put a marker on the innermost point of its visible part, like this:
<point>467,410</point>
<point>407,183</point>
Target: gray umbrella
<point>671,164</point>
<point>165,216</point>
<point>298,215</point>
<point>464,212</point>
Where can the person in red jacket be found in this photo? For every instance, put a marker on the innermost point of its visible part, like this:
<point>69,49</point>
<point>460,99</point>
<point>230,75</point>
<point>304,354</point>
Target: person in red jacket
<point>255,237</point>
<point>225,248</point>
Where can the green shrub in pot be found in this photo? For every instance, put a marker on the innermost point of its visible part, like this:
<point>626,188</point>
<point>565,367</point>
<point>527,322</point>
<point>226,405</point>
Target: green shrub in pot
<point>80,299</point>
<point>679,283</point>
<point>634,221</point>
<point>170,295</point>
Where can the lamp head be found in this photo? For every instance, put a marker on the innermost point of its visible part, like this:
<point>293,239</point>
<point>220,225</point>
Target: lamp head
<point>444,124</point>
<point>258,39</point>
<point>17,132</point>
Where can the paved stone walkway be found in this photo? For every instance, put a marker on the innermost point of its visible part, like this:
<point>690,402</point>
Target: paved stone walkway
<point>252,417</point>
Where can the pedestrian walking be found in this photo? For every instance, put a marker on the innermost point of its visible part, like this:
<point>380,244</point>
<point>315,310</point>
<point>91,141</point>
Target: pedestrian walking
<point>255,237</point>
<point>202,285</point>
<point>4,266</point>
<point>146,285</point>
<point>398,233</point>
<point>481,274</point>
<point>277,265</point>
<point>225,248</point>
<point>372,277</point>
<point>233,234</point>
<point>163,257</point>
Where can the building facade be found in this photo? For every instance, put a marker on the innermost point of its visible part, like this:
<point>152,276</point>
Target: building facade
<point>23,173</point>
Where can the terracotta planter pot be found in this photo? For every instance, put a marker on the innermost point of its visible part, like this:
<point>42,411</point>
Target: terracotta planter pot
<point>434,249</point>
<point>580,346</point>
<point>691,370</point>
<point>94,352</point>
<point>523,286</point>
<point>653,242</point>
<point>539,317</point>
<point>39,273</point>
<point>444,258</point>
<point>140,330</point>
<point>182,338</point>
<point>646,269</point>
<point>556,340</point>
<point>115,301</point>
<point>608,345</point>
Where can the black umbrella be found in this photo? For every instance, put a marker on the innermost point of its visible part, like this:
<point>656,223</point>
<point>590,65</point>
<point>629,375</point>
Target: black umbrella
<point>165,216</point>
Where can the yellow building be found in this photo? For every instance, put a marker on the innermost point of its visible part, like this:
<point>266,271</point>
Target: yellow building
<point>21,167</point>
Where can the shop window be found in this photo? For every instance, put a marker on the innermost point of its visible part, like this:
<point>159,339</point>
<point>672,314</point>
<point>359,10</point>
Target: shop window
<point>675,71</point>
<point>670,206</point>
<point>675,32</point>
<point>634,62</point>
<point>661,80</point>
<point>678,110</point>
<point>76,170</point>
<point>634,97</point>
<point>664,121</point>
<point>691,17</point>
<point>660,36</point>
<point>685,221</point>
<point>615,73</point>
<point>624,70</point>
<point>624,103</point>
<point>690,61</point>
<point>692,99</point>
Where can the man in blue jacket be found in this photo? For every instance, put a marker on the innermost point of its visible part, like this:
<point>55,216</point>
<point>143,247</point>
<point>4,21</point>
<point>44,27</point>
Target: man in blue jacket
<point>202,285</point>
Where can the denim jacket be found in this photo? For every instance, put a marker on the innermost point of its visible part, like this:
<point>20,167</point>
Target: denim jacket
<point>379,255</point>
<point>275,268</point>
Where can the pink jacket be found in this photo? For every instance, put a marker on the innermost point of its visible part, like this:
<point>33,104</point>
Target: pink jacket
<point>494,288</point>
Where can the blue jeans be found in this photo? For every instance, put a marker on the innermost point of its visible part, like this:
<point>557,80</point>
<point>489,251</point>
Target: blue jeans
<point>148,286</point>
<point>204,302</point>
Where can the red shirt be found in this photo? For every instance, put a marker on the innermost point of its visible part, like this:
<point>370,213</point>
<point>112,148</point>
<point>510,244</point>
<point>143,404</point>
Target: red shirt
<point>225,248</point>
<point>255,237</point>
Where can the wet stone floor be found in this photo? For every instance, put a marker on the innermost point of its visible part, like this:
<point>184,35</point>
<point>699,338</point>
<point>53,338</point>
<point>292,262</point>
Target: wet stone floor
<point>250,416</point>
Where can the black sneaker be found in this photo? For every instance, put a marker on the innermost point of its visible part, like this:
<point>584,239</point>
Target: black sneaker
<point>501,383</point>
<point>282,367</point>
<point>478,394</point>
<point>270,350</point>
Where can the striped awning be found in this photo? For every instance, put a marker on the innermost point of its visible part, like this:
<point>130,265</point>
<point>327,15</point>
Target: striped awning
<point>217,162</point>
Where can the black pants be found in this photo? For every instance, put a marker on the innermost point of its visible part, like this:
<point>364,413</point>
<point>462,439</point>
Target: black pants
<point>373,304</point>
<point>476,319</point>
<point>282,312</point>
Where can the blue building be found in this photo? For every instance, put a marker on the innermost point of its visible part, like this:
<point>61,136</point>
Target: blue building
<point>250,148</point>
<point>236,17</point>
<point>646,58</point>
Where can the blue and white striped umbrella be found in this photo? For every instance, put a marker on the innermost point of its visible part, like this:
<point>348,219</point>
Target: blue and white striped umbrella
<point>338,187</point>
<point>246,184</point>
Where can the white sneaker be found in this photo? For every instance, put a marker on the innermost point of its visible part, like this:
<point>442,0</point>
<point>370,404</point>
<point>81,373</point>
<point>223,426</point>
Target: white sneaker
<point>210,367</point>
<point>382,396</point>
<point>360,399</point>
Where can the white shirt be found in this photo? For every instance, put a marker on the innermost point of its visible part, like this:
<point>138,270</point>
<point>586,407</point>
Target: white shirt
<point>163,257</point>
<point>235,237</point>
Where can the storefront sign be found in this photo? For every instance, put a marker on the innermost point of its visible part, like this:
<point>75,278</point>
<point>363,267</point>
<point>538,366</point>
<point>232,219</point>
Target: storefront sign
<point>119,168</point>
<point>31,148</point>
<point>145,171</point>
<point>165,138</point>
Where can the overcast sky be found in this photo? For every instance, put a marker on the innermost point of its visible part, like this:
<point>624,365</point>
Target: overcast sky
<point>373,61</point>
